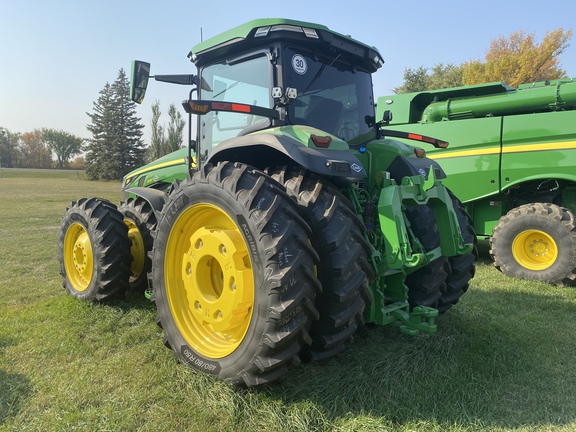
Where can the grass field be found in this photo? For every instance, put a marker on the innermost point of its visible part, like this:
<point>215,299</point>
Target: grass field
<point>504,357</point>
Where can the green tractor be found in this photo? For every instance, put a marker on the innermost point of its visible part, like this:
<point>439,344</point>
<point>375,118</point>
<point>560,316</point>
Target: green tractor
<point>288,222</point>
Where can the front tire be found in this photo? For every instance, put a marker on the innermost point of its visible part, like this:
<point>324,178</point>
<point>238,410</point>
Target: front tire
<point>233,275</point>
<point>427,284</point>
<point>536,241</point>
<point>462,267</point>
<point>343,269</point>
<point>94,250</point>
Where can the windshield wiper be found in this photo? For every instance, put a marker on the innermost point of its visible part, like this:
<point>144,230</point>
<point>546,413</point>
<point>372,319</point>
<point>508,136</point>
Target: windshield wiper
<point>319,73</point>
<point>226,89</point>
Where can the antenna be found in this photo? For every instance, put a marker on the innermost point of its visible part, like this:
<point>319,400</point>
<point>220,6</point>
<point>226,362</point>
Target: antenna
<point>201,37</point>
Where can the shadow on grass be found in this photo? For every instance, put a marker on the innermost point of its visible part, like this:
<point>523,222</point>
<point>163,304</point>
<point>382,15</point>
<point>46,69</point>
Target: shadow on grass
<point>134,299</point>
<point>502,371</point>
<point>14,388</point>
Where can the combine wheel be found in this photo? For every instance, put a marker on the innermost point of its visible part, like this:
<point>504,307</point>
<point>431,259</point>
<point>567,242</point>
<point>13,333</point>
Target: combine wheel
<point>427,284</point>
<point>141,221</point>
<point>233,275</point>
<point>462,267</point>
<point>343,269</point>
<point>536,241</point>
<point>94,250</point>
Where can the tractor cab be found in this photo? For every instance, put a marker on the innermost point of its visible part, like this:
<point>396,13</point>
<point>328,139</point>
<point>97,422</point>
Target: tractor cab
<point>302,73</point>
<point>271,73</point>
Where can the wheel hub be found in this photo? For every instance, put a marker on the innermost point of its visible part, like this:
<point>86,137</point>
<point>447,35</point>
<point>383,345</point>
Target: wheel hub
<point>78,257</point>
<point>212,269</point>
<point>535,249</point>
<point>209,280</point>
<point>137,250</point>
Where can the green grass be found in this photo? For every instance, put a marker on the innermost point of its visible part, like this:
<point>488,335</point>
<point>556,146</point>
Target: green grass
<point>504,357</point>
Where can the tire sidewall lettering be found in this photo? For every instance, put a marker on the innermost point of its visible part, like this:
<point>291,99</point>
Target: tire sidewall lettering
<point>198,362</point>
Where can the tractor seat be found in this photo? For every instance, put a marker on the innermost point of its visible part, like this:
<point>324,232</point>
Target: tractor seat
<point>325,115</point>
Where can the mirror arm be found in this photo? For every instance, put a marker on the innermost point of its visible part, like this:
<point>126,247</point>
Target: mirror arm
<point>176,79</point>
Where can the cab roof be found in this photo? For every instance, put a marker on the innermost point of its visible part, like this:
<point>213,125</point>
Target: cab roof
<point>261,31</point>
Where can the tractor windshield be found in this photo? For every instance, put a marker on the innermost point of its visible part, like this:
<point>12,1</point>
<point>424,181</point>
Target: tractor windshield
<point>332,95</point>
<point>247,82</point>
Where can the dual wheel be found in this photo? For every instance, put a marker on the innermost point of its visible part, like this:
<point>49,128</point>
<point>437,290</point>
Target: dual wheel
<point>248,277</point>
<point>233,269</point>
<point>103,249</point>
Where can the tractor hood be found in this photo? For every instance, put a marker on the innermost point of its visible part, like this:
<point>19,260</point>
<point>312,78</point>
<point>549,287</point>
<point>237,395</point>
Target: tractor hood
<point>159,172</point>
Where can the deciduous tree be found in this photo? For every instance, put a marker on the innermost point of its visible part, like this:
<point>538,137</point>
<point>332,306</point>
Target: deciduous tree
<point>513,59</point>
<point>518,59</point>
<point>35,152</point>
<point>63,144</point>
<point>175,129</point>
<point>421,79</point>
<point>157,139</point>
<point>9,152</point>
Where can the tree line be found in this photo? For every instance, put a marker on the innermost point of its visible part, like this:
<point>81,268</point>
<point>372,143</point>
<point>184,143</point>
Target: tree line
<point>41,148</point>
<point>115,147</point>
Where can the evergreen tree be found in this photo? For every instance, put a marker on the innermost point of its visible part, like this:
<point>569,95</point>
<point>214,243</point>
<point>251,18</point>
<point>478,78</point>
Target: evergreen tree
<point>116,146</point>
<point>131,151</point>
<point>101,134</point>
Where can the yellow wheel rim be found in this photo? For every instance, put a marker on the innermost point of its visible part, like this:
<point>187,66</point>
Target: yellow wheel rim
<point>78,257</point>
<point>138,250</point>
<point>209,280</point>
<point>534,250</point>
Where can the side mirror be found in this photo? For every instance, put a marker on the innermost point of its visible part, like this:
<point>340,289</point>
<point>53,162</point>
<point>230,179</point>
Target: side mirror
<point>139,76</point>
<point>387,118</point>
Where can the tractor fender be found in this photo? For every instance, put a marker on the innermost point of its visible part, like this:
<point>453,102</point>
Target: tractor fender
<point>154,197</point>
<point>403,166</point>
<point>262,150</point>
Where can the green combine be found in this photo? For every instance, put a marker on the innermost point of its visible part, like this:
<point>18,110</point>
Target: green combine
<point>289,221</point>
<point>511,161</point>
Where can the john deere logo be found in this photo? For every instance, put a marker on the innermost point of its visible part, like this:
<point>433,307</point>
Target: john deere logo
<point>198,108</point>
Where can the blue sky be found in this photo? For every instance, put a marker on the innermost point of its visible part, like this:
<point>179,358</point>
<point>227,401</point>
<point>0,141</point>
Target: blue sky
<point>55,56</point>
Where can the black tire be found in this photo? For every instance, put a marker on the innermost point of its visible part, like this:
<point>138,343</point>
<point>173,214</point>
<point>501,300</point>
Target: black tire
<point>233,275</point>
<point>94,250</point>
<point>462,267</point>
<point>427,284</point>
<point>550,230</point>
<point>343,269</point>
<point>140,218</point>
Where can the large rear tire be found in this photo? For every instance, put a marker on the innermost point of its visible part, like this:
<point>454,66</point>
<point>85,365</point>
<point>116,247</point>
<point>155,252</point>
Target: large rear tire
<point>140,219</point>
<point>536,241</point>
<point>233,275</point>
<point>343,269</point>
<point>94,250</point>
